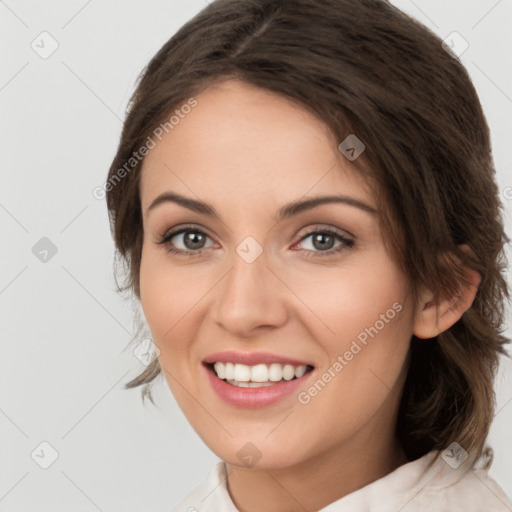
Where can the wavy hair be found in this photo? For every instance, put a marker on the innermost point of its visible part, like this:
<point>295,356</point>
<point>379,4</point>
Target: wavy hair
<point>366,68</point>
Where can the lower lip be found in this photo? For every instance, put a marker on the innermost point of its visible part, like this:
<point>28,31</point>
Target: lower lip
<point>253,397</point>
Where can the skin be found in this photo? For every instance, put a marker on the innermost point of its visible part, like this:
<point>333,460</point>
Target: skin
<point>247,152</point>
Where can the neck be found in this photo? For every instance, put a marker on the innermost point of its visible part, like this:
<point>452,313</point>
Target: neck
<point>328,476</point>
<point>301,489</point>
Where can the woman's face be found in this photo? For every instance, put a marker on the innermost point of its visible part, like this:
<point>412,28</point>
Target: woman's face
<point>267,290</point>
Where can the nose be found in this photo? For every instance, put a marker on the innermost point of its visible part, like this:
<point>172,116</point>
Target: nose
<point>250,297</point>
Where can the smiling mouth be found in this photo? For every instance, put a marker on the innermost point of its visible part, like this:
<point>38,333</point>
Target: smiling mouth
<point>259,375</point>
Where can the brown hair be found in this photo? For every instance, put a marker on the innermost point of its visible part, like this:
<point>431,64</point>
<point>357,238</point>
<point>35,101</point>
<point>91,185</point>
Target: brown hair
<point>364,68</point>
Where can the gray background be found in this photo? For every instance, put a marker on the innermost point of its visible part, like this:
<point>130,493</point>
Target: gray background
<point>64,329</point>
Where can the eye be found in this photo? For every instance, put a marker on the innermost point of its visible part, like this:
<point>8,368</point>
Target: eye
<point>191,237</point>
<point>323,240</point>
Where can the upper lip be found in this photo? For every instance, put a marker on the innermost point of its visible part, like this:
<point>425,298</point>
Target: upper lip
<point>252,358</point>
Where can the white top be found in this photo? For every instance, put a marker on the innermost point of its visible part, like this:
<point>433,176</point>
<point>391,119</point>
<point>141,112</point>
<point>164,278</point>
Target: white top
<point>410,488</point>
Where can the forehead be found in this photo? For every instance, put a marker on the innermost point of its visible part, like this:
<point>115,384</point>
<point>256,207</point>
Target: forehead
<point>241,142</point>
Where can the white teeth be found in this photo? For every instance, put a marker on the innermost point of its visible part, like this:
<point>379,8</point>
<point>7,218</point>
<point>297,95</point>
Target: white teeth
<point>228,370</point>
<point>257,375</point>
<point>250,384</point>
<point>242,373</point>
<point>288,372</point>
<point>220,370</point>
<point>275,372</point>
<point>300,371</point>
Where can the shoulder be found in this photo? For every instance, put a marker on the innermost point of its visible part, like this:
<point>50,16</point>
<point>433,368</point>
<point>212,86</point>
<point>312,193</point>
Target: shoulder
<point>209,496</point>
<point>428,484</point>
<point>464,490</point>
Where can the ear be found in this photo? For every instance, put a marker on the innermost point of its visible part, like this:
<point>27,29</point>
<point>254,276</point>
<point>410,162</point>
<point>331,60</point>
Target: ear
<point>431,320</point>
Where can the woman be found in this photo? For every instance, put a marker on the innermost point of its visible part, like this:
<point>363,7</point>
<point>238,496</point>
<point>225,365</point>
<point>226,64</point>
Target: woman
<point>304,196</point>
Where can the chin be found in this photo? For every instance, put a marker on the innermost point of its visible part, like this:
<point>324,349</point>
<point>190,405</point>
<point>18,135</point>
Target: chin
<point>257,453</point>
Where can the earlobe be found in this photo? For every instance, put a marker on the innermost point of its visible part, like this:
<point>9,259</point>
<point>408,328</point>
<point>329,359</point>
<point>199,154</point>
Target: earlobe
<point>432,320</point>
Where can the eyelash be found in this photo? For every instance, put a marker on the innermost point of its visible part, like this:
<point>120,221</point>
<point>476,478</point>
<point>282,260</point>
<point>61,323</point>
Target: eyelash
<point>347,243</point>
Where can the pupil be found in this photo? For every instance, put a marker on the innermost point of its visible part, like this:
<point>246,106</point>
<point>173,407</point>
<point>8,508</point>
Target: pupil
<point>194,238</point>
<point>320,238</point>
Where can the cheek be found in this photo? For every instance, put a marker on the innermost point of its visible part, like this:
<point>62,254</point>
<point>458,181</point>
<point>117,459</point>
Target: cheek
<point>365,330</point>
<point>171,298</point>
<point>160,295</point>
<point>347,301</point>
<point>362,320</point>
<point>152,296</point>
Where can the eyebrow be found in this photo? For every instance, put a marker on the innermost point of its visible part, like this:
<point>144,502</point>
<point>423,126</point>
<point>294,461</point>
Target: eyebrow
<point>285,212</point>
